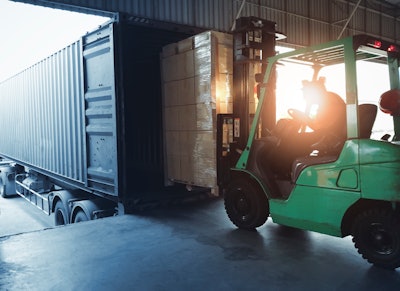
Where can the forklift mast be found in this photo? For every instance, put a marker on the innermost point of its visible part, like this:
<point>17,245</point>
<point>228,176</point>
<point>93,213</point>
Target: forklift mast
<point>254,42</point>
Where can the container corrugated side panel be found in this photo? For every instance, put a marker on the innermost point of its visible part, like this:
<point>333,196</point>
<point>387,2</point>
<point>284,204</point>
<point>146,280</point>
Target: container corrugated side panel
<point>41,119</point>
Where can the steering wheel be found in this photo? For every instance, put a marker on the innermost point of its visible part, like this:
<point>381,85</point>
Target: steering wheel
<point>328,143</point>
<point>300,117</point>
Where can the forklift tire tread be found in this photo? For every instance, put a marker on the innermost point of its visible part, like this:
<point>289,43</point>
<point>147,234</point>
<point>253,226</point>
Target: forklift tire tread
<point>376,236</point>
<point>246,204</point>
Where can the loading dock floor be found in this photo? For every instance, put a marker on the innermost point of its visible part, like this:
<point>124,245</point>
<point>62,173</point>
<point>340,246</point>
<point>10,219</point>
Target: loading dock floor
<point>19,216</point>
<point>184,247</point>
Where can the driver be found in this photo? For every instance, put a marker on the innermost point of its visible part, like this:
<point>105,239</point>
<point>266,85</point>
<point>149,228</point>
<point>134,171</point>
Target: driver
<point>326,110</point>
<point>325,114</point>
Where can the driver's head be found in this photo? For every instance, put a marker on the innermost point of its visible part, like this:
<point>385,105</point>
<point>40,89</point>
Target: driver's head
<point>314,91</point>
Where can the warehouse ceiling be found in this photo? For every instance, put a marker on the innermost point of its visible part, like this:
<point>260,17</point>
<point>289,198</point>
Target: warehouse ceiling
<point>305,22</point>
<point>391,7</point>
<point>395,2</point>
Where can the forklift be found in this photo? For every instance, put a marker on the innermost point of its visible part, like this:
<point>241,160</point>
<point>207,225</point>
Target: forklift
<point>336,183</point>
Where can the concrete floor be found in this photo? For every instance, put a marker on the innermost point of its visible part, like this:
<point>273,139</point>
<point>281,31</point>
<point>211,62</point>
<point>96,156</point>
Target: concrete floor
<point>184,247</point>
<point>19,216</point>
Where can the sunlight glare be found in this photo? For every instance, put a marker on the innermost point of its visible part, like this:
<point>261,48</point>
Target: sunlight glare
<point>31,33</point>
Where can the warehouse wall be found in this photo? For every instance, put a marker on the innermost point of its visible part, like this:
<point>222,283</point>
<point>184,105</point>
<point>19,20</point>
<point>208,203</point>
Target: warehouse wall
<point>305,22</point>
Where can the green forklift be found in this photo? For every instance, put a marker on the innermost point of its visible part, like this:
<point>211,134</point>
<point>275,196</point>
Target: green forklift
<point>342,179</point>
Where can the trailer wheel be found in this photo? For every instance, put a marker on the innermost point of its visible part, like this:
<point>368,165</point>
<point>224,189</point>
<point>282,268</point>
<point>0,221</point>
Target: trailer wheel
<point>376,235</point>
<point>80,216</point>
<point>3,191</point>
<point>60,214</point>
<point>246,205</point>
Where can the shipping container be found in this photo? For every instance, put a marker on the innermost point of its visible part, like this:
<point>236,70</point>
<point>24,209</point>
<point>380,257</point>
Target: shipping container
<point>89,117</point>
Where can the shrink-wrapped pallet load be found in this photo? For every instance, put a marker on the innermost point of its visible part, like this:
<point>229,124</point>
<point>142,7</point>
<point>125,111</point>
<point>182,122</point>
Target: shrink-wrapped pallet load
<point>197,85</point>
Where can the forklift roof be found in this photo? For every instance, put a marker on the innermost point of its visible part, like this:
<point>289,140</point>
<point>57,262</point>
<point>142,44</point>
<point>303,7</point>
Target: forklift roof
<point>365,47</point>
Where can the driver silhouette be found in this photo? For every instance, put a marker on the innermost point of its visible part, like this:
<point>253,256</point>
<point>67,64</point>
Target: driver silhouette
<point>326,111</point>
<point>325,115</point>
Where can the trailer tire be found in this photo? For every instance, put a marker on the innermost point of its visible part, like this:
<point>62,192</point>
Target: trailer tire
<point>80,216</point>
<point>3,191</point>
<point>246,205</point>
<point>60,214</point>
<point>376,236</point>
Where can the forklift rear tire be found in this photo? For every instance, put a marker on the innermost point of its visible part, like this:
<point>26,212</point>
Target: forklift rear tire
<point>246,204</point>
<point>376,235</point>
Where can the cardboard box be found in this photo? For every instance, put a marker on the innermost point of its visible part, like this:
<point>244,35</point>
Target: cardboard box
<point>186,62</point>
<point>171,119</point>
<point>187,117</point>
<point>186,91</point>
<point>169,50</point>
<point>178,66</point>
<point>185,45</point>
<point>171,93</point>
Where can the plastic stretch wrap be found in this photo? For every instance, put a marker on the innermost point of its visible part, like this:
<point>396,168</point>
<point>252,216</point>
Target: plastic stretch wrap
<point>197,85</point>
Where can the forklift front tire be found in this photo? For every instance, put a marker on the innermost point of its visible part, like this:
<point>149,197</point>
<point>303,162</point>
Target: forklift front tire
<point>246,205</point>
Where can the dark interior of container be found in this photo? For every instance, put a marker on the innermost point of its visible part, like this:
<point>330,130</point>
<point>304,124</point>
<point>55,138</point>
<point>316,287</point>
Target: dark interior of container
<point>141,152</point>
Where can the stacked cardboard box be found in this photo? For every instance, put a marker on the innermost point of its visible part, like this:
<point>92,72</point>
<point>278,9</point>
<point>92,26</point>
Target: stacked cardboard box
<point>197,85</point>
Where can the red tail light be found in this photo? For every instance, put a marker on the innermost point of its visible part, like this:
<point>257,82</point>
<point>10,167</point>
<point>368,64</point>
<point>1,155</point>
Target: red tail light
<point>377,44</point>
<point>392,48</point>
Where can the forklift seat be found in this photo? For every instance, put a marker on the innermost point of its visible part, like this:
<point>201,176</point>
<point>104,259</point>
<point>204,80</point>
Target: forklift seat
<point>301,163</point>
<point>366,116</point>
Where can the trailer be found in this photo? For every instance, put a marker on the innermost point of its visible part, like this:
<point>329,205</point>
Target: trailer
<point>87,131</point>
<point>82,129</point>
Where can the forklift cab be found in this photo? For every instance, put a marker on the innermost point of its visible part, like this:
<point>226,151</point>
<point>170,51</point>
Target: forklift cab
<point>314,121</point>
<point>341,181</point>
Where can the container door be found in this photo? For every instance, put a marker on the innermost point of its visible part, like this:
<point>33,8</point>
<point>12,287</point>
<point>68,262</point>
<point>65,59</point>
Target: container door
<point>100,111</point>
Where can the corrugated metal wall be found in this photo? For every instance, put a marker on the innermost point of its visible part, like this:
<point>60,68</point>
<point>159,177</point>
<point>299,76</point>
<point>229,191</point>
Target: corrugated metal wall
<point>304,22</point>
